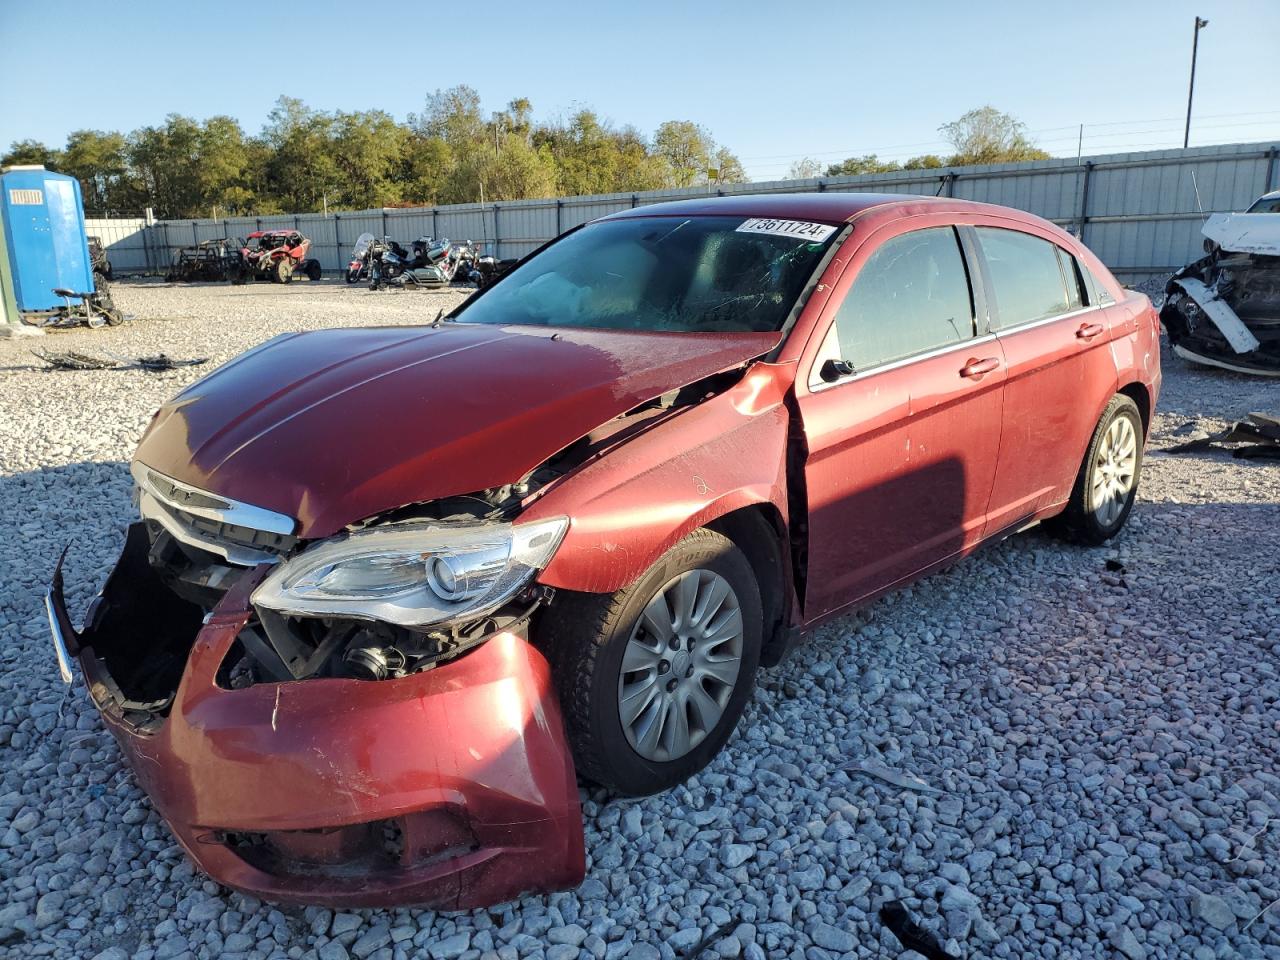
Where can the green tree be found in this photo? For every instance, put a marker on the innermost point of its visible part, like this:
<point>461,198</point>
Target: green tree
<point>28,152</point>
<point>686,149</point>
<point>100,161</point>
<point>730,167</point>
<point>986,135</point>
<point>868,163</point>
<point>368,149</point>
<point>223,175</point>
<point>927,161</point>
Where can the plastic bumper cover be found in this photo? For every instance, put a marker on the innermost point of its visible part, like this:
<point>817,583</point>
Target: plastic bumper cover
<point>452,788</point>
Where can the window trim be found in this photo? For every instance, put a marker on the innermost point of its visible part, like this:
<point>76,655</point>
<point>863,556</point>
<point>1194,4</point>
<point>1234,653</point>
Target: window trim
<point>993,326</point>
<point>977,307</point>
<point>889,365</point>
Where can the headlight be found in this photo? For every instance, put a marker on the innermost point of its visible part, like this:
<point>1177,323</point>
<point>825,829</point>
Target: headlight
<point>413,574</point>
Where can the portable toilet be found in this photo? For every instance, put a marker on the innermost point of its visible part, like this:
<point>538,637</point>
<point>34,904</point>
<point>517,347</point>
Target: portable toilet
<point>43,218</point>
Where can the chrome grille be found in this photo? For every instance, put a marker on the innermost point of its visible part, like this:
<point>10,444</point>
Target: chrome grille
<point>241,533</point>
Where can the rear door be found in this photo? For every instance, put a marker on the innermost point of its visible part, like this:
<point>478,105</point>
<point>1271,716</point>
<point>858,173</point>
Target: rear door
<point>1056,343</point>
<point>901,418</point>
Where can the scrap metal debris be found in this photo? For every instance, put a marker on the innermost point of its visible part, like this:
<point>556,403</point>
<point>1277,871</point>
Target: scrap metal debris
<point>71,360</point>
<point>1259,432</point>
<point>1224,309</point>
<point>912,935</point>
<point>907,781</point>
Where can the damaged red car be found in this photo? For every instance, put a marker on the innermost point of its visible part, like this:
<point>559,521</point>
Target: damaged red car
<point>394,589</point>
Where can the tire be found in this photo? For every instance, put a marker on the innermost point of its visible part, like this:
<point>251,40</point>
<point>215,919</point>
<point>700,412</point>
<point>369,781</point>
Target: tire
<point>1087,519</point>
<point>353,276</point>
<point>282,272</point>
<point>313,270</point>
<point>589,634</point>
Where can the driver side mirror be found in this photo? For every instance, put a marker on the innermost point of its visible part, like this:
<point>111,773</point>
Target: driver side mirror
<point>834,370</point>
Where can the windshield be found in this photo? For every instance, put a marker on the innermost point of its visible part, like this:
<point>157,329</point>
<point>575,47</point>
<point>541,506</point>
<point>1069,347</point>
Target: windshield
<point>686,274</point>
<point>1265,205</point>
<point>362,245</point>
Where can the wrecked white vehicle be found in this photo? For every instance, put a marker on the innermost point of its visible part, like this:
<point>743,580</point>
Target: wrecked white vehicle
<point>1224,309</point>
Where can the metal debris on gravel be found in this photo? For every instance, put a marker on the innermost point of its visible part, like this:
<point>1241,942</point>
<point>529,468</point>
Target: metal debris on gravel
<point>1105,748</point>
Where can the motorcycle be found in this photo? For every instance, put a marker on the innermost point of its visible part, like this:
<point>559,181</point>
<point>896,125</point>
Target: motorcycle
<point>366,248</point>
<point>430,263</point>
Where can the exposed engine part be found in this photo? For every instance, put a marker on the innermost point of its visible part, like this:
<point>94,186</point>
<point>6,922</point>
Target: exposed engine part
<point>374,663</point>
<point>1224,309</point>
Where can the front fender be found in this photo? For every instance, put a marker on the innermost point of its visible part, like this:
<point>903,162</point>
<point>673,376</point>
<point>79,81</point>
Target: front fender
<point>633,504</point>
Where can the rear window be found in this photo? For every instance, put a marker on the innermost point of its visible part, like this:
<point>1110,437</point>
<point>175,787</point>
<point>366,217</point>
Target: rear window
<point>1026,275</point>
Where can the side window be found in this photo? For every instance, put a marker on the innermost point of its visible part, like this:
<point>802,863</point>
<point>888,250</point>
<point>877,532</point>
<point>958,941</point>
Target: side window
<point>911,295</point>
<point>1025,273</point>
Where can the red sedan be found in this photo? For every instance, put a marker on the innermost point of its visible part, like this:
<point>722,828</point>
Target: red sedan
<point>393,587</point>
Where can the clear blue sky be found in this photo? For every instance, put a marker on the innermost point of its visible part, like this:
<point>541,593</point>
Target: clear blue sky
<point>772,81</point>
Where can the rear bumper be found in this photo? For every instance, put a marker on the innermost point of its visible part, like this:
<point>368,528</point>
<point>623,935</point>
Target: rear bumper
<point>451,788</point>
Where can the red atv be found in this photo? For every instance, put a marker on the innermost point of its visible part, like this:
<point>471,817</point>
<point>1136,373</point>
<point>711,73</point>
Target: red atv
<point>276,255</point>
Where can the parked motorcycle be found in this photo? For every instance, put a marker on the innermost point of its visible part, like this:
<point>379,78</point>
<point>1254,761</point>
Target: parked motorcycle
<point>361,258</point>
<point>430,263</point>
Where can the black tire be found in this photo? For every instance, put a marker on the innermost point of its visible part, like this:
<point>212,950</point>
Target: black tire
<point>586,636</point>
<point>1079,522</point>
<point>353,276</point>
<point>313,270</point>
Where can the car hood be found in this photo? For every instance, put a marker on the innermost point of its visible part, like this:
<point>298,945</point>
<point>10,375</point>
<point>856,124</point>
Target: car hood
<point>334,426</point>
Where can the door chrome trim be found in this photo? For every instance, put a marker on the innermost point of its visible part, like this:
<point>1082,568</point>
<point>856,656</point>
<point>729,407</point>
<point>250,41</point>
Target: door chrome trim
<point>905,361</point>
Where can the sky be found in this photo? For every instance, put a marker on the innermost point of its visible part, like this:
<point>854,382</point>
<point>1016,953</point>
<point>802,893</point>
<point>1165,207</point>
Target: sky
<point>773,82</point>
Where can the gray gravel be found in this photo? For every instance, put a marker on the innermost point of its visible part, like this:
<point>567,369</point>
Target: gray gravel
<point>1085,759</point>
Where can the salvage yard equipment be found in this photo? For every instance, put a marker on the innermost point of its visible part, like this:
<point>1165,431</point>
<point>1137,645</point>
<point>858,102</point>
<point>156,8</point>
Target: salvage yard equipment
<point>208,260</point>
<point>1224,309</point>
<point>276,255</point>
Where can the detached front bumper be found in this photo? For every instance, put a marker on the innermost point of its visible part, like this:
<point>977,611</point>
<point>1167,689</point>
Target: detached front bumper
<point>452,788</point>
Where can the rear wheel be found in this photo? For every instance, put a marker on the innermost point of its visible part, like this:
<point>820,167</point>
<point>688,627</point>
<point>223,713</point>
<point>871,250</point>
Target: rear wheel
<point>1107,483</point>
<point>313,270</point>
<point>653,678</point>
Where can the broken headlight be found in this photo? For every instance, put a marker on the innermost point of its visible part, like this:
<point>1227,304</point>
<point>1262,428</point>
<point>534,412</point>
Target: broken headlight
<point>412,574</point>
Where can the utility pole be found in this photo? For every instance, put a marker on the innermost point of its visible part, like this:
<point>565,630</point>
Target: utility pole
<point>1201,23</point>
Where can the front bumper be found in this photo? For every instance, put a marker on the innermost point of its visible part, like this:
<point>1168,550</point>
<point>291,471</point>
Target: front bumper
<point>453,788</point>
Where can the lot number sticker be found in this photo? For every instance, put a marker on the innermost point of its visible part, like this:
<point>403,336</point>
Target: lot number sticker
<point>799,229</point>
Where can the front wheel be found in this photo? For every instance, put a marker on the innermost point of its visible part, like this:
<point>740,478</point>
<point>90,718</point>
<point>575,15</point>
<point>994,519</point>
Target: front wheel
<point>1107,483</point>
<point>283,270</point>
<point>652,679</point>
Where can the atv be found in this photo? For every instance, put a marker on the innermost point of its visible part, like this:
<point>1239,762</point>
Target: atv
<point>276,255</point>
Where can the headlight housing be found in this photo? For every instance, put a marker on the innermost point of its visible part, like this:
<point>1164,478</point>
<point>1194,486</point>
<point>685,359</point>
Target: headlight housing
<point>413,574</point>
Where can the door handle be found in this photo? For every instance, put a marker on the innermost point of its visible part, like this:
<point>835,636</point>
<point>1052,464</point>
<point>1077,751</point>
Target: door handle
<point>977,369</point>
<point>1089,330</point>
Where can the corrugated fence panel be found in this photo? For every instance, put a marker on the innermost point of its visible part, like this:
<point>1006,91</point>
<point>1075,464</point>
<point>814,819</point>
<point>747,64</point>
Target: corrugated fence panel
<point>1143,217</point>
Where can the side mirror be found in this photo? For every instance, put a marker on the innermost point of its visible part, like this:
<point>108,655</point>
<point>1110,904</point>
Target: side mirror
<point>834,370</point>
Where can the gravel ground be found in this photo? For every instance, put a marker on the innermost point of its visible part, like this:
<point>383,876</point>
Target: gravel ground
<point>1096,747</point>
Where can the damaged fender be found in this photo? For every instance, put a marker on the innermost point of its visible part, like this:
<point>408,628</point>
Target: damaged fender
<point>730,452</point>
<point>451,788</point>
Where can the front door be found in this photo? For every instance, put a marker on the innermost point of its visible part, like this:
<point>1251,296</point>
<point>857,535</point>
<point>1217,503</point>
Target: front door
<point>901,418</point>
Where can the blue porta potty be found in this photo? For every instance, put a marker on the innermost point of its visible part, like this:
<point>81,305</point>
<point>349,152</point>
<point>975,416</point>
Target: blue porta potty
<point>43,218</point>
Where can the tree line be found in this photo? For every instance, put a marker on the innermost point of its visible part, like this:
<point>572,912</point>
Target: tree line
<point>984,135</point>
<point>307,160</point>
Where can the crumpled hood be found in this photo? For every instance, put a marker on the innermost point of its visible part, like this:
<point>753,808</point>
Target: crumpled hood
<point>333,426</point>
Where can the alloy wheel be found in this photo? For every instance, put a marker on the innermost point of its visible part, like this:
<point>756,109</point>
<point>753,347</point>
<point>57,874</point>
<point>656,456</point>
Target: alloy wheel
<point>680,665</point>
<point>1115,467</point>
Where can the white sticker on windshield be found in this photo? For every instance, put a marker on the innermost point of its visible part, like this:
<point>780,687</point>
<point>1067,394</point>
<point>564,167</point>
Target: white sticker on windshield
<point>800,229</point>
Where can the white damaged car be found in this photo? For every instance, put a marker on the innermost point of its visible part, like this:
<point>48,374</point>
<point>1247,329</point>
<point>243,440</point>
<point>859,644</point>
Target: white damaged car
<point>1224,309</point>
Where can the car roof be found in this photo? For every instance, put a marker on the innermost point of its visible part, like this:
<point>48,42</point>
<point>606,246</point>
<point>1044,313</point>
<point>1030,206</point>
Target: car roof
<point>829,206</point>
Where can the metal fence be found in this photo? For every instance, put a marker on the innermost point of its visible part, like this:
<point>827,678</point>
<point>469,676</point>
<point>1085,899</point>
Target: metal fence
<point>1140,212</point>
